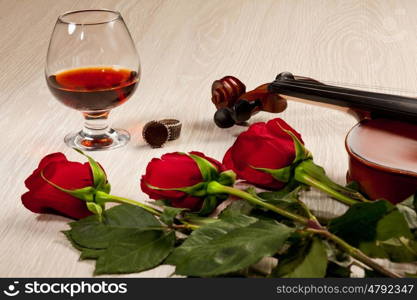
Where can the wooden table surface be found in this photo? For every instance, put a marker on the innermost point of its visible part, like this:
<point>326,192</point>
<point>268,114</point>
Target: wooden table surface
<point>184,46</point>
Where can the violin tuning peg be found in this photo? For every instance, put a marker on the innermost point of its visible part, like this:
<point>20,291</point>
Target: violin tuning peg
<point>224,117</point>
<point>243,109</point>
<point>285,76</point>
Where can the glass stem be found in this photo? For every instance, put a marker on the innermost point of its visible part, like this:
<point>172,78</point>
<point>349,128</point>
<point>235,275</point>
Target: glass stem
<point>96,131</point>
<point>95,124</point>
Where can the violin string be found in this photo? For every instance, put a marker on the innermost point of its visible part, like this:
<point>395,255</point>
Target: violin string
<point>374,87</point>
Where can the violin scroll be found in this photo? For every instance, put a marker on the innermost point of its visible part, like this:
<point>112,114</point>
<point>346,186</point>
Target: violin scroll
<point>236,106</point>
<point>226,91</point>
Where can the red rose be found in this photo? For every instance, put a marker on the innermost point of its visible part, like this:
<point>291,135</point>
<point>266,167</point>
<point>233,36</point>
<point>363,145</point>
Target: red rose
<point>42,197</point>
<point>175,170</point>
<point>263,145</point>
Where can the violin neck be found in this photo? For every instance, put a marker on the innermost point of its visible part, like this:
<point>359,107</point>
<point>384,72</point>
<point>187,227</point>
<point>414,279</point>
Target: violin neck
<point>378,104</point>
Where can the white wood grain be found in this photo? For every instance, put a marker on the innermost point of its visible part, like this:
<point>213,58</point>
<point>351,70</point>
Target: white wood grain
<point>184,45</point>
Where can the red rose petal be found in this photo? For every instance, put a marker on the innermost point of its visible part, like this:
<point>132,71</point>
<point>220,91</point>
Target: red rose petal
<point>275,127</point>
<point>263,145</point>
<point>65,205</point>
<point>175,170</point>
<point>190,202</point>
<point>159,194</point>
<point>228,161</point>
<point>35,179</point>
<point>69,175</point>
<point>42,197</point>
<point>54,157</point>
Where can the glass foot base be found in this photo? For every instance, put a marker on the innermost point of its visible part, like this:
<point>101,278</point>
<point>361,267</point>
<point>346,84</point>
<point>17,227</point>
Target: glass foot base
<point>111,139</point>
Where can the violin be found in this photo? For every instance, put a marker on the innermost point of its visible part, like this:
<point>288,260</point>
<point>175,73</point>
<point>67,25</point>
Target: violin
<point>382,146</point>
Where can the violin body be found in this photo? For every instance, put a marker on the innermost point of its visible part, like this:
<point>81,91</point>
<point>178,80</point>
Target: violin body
<point>383,158</point>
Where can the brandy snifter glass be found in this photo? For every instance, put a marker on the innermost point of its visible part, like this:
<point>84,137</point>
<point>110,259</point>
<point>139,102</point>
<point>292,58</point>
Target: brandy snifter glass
<point>93,66</point>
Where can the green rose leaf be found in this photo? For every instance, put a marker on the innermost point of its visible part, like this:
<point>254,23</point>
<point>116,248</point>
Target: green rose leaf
<point>169,214</point>
<point>86,253</point>
<point>161,203</point>
<point>121,220</point>
<point>129,239</point>
<point>408,209</point>
<point>289,190</point>
<point>411,201</point>
<point>394,249</point>
<point>353,185</point>
<point>209,204</point>
<point>138,252</point>
<point>387,233</point>
<point>287,200</point>
<point>336,271</point>
<point>409,215</point>
<point>359,222</point>
<point>394,239</point>
<point>236,208</point>
<point>301,261</point>
<point>392,225</point>
<point>195,219</point>
<point>229,245</point>
<point>337,256</point>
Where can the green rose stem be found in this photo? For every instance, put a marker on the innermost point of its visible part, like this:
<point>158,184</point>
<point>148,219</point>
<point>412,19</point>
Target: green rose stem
<point>313,226</point>
<point>311,181</point>
<point>187,225</point>
<point>216,188</point>
<point>309,173</point>
<point>102,197</point>
<point>354,252</point>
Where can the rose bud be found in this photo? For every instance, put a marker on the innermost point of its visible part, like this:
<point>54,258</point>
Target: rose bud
<point>196,182</point>
<point>182,180</point>
<point>71,189</point>
<point>263,145</point>
<point>43,197</point>
<point>272,155</point>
